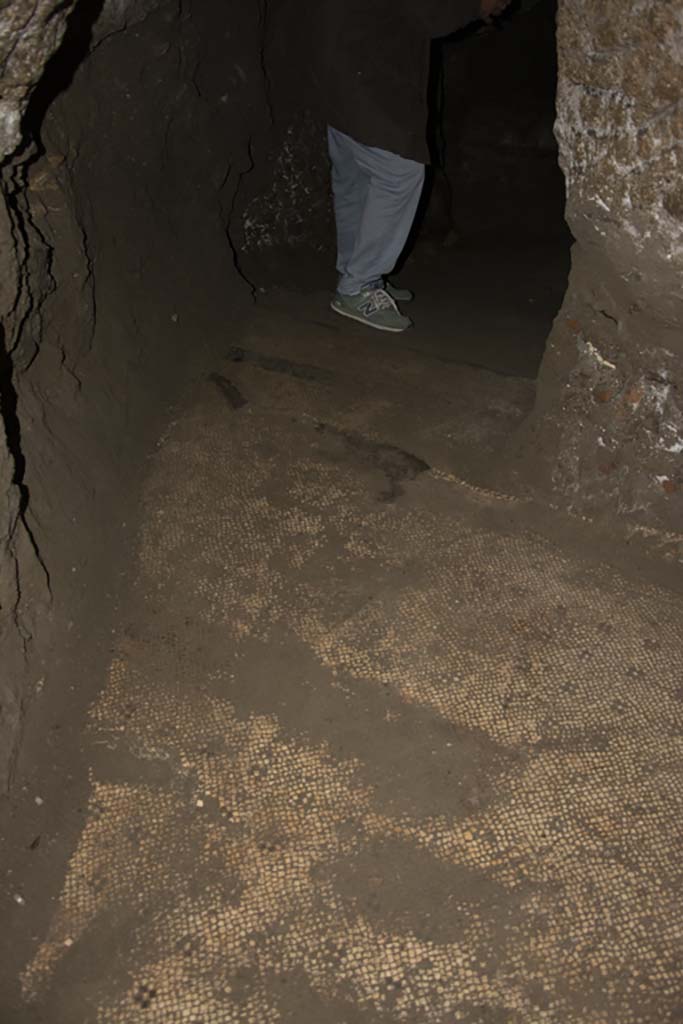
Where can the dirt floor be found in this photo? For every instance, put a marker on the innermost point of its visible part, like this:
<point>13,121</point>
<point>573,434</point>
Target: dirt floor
<point>376,742</point>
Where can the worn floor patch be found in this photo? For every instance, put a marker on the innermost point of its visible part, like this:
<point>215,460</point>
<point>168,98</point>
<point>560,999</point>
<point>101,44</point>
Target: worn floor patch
<point>366,760</point>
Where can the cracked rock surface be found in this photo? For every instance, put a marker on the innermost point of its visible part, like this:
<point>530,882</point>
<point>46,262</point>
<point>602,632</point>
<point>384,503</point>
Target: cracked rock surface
<point>606,437</point>
<point>101,305</point>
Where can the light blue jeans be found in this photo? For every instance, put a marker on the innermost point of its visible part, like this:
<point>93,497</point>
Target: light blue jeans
<point>376,195</point>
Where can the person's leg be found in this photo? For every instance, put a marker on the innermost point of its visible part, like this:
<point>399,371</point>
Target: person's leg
<point>391,201</point>
<point>349,189</point>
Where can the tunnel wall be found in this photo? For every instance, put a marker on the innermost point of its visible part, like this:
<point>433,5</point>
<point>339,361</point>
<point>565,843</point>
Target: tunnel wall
<point>29,34</point>
<point>606,436</point>
<point>120,278</point>
<point>286,203</point>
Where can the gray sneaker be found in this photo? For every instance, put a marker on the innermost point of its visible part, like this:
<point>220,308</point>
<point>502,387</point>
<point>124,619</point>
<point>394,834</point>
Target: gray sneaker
<point>397,294</point>
<point>374,308</point>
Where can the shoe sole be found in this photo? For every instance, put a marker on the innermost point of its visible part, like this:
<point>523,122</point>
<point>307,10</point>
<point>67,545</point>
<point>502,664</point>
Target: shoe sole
<point>360,319</point>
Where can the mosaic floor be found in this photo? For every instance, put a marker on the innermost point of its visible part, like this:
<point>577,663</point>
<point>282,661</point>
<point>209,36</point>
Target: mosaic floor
<point>370,749</point>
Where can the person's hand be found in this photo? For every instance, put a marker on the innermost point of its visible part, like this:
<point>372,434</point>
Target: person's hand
<point>491,8</point>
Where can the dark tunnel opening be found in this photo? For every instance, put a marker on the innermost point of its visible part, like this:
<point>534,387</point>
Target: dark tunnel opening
<point>488,256</point>
<point>492,230</point>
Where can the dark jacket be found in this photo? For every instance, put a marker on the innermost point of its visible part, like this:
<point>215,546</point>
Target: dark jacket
<point>372,66</point>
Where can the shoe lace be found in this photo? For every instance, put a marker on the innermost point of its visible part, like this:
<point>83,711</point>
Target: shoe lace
<point>376,300</point>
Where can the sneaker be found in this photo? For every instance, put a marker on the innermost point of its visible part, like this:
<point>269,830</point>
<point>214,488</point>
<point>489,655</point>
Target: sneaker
<point>374,308</point>
<point>397,294</point>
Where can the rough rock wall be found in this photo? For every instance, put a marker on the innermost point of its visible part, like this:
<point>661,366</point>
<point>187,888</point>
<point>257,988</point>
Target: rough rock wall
<point>287,202</point>
<point>29,34</point>
<point>606,437</point>
<point>119,277</point>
